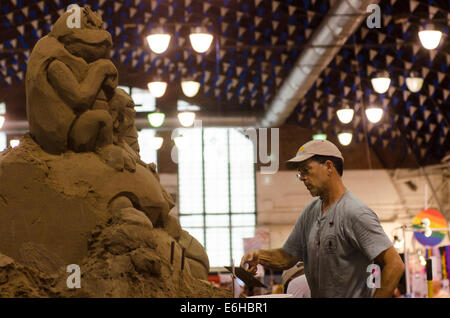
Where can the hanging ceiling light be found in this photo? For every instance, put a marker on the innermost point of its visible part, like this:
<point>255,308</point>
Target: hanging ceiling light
<point>414,82</point>
<point>190,88</point>
<point>345,138</point>
<point>200,40</point>
<point>158,41</point>
<point>374,114</point>
<point>345,114</point>
<point>156,119</point>
<point>319,137</point>
<point>2,121</point>
<point>430,37</point>
<point>381,82</point>
<point>186,118</point>
<point>156,142</point>
<point>157,88</point>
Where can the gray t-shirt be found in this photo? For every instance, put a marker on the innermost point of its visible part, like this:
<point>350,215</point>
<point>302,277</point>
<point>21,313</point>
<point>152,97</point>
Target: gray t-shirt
<point>338,246</point>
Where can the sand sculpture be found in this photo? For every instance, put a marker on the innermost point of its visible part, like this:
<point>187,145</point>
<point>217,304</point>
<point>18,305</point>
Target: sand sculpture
<point>76,192</point>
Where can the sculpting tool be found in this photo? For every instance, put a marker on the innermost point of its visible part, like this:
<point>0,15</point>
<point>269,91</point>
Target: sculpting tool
<point>172,247</point>
<point>182,265</point>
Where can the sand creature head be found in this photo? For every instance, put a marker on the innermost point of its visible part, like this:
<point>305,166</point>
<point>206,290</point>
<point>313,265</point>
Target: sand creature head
<point>89,41</point>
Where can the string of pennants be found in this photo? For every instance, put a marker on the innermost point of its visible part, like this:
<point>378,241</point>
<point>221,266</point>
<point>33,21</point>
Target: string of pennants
<point>423,117</point>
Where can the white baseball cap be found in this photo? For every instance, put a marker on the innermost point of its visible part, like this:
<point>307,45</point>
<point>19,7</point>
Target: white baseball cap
<point>316,147</point>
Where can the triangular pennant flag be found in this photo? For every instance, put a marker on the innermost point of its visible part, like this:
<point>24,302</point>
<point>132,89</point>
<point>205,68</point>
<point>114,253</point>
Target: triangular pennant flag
<point>132,11</point>
<point>41,5</point>
<point>308,32</point>
<point>422,99</point>
<point>21,29</point>
<point>257,20</point>
<point>441,76</point>
<point>274,40</point>
<point>117,6</point>
<point>432,11</point>
<point>275,5</point>
<point>206,6</point>
<point>419,124</point>
<point>10,17</point>
<point>446,93</point>
<point>291,10</point>
<point>241,31</point>
<point>406,94</point>
<point>223,11</point>
<point>413,5</point>
<point>291,29</point>
<point>423,152</point>
<point>406,121</point>
<point>373,53</point>
<point>425,71</point>
<point>389,59</point>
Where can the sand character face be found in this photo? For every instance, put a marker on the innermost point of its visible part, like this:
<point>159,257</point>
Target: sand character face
<point>90,42</point>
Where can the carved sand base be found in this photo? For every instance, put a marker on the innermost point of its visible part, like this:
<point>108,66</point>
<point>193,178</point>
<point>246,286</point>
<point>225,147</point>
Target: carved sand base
<point>57,210</point>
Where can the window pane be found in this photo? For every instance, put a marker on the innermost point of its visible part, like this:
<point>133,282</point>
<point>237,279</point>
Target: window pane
<point>190,171</point>
<point>143,100</point>
<point>241,173</point>
<point>218,246</point>
<point>191,220</point>
<point>216,170</point>
<point>243,220</point>
<point>217,220</point>
<point>3,141</point>
<point>147,153</point>
<point>125,88</point>
<point>239,234</point>
<point>197,233</point>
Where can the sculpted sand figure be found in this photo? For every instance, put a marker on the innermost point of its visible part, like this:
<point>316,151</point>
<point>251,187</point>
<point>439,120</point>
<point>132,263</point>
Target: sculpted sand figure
<point>69,84</point>
<point>60,203</point>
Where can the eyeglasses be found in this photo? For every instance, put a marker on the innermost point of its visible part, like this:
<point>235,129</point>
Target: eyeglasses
<point>304,172</point>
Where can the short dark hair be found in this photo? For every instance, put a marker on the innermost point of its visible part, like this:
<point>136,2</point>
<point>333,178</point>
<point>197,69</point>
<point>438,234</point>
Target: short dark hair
<point>337,162</point>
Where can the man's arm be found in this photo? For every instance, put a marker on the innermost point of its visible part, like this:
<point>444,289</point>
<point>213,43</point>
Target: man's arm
<point>393,269</point>
<point>277,259</point>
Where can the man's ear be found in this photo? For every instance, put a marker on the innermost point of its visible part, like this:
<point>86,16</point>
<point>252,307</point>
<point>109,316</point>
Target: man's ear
<point>329,165</point>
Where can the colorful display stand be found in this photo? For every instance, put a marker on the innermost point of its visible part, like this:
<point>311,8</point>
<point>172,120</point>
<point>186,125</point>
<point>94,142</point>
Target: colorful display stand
<point>437,221</point>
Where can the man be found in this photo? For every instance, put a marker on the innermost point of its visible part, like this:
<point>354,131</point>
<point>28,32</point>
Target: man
<point>336,236</point>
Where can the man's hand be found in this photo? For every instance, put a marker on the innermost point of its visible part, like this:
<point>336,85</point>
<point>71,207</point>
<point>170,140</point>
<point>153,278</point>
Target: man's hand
<point>252,259</point>
<point>277,259</point>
